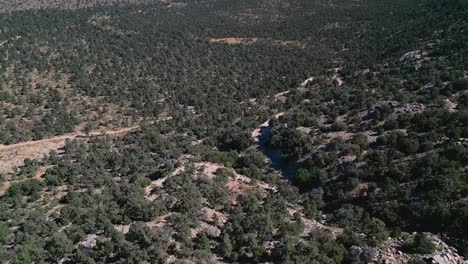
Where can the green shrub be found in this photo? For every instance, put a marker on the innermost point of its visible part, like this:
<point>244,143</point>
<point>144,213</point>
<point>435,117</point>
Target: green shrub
<point>419,244</point>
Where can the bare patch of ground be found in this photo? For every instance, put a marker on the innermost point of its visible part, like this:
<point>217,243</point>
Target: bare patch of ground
<point>360,190</point>
<point>122,228</point>
<point>251,41</point>
<point>164,116</point>
<point>209,215</point>
<point>159,221</point>
<point>208,168</point>
<point>232,41</point>
<point>312,225</point>
<point>38,176</point>
<point>339,134</point>
<point>282,96</point>
<point>450,106</point>
<point>256,133</point>
<point>308,81</point>
<point>210,230</point>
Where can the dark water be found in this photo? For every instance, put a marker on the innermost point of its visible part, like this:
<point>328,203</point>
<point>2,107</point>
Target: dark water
<point>287,169</point>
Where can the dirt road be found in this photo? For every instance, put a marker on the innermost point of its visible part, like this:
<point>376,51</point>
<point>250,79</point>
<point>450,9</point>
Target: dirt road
<point>14,155</point>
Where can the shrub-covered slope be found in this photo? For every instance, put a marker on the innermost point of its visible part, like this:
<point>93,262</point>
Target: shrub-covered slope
<point>286,131</point>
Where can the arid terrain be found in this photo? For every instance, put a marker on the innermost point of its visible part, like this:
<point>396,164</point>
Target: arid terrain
<point>220,131</point>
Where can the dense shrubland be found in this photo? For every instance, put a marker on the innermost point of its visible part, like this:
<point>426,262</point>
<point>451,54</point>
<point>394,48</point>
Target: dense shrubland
<point>375,146</point>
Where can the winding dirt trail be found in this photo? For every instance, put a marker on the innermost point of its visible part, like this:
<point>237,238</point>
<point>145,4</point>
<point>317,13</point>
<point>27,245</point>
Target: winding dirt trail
<point>14,155</point>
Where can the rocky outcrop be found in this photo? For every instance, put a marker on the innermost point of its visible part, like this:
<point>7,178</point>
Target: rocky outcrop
<point>415,58</point>
<point>397,108</point>
<point>412,108</point>
<point>390,253</point>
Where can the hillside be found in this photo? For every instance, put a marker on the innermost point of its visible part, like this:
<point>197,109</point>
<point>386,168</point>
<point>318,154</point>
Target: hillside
<point>247,131</point>
<point>21,5</point>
